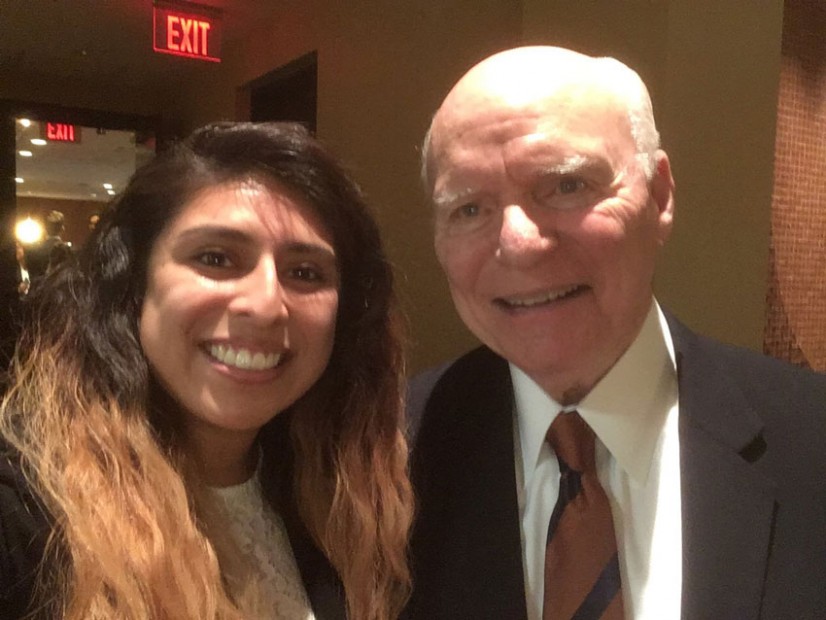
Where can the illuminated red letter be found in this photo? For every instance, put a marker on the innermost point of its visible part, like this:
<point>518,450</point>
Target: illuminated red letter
<point>171,32</point>
<point>204,31</point>
<point>186,40</point>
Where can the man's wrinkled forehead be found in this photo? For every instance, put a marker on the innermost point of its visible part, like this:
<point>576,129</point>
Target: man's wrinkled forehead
<point>545,80</point>
<point>572,108</point>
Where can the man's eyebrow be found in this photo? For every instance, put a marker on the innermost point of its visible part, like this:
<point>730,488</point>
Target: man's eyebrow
<point>572,164</point>
<point>443,199</point>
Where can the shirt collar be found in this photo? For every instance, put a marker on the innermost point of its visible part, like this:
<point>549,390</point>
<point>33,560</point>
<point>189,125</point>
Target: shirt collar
<point>626,409</point>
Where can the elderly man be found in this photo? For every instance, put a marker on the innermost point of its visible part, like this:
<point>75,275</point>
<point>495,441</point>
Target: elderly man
<point>595,458</point>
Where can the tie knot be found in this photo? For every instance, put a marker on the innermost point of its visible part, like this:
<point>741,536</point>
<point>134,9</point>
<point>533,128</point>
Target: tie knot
<point>573,441</point>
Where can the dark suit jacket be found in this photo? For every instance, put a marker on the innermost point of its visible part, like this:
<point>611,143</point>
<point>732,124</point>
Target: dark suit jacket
<point>753,462</point>
<point>38,256</point>
<point>25,527</point>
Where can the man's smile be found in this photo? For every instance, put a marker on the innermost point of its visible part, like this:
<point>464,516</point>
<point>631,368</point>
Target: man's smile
<point>539,299</point>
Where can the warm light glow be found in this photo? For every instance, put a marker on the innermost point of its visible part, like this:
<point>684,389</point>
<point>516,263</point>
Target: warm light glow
<point>25,122</point>
<point>28,231</point>
<point>111,192</point>
<point>19,180</point>
<point>107,186</point>
<point>38,141</point>
<point>24,153</point>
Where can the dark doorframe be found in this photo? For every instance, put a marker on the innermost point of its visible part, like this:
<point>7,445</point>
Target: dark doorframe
<point>289,93</point>
<point>9,111</point>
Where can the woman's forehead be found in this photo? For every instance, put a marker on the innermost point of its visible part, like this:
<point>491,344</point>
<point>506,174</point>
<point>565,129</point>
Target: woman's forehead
<point>269,212</point>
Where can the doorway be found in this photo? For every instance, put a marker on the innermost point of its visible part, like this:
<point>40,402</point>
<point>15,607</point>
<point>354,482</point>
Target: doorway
<point>289,93</point>
<point>61,164</point>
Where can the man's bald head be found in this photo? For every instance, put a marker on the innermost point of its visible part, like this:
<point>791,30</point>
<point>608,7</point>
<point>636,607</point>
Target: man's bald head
<point>551,203</point>
<point>526,76</point>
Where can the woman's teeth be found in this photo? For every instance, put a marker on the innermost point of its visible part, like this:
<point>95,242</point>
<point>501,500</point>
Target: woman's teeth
<point>243,358</point>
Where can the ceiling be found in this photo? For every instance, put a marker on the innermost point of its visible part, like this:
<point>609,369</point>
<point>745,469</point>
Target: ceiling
<point>94,41</point>
<point>94,168</point>
<point>102,40</point>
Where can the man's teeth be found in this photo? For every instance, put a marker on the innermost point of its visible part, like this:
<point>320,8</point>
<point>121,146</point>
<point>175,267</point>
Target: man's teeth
<point>536,300</point>
<point>243,358</point>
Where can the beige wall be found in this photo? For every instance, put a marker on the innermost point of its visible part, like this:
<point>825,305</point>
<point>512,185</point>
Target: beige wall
<point>718,120</point>
<point>713,70</point>
<point>384,66</point>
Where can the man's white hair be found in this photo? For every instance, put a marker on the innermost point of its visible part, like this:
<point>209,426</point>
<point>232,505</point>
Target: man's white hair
<point>626,86</point>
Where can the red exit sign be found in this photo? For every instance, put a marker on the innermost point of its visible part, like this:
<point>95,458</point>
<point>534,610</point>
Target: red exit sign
<point>187,29</point>
<point>60,132</point>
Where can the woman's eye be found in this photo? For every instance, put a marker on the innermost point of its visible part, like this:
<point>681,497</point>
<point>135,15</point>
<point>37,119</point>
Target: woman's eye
<point>214,258</point>
<point>306,273</point>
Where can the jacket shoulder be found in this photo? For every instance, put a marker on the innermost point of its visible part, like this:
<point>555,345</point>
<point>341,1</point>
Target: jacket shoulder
<point>24,530</point>
<point>762,379</point>
<point>455,386</point>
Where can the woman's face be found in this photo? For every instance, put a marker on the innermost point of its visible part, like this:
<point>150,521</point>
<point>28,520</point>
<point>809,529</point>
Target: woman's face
<point>239,315</point>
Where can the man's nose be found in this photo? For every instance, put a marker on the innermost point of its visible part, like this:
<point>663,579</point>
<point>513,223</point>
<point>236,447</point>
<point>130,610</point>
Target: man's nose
<point>260,295</point>
<point>521,239</point>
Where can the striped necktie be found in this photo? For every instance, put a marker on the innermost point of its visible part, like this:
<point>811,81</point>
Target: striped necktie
<point>582,578</point>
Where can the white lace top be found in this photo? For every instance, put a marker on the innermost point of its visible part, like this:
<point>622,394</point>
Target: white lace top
<point>260,535</point>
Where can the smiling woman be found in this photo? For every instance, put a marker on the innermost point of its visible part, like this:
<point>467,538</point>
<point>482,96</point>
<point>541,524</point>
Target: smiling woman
<point>238,318</point>
<point>205,416</point>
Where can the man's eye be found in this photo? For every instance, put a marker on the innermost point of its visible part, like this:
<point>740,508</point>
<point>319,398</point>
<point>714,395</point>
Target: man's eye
<point>570,185</point>
<point>469,210</point>
<point>564,192</point>
<point>214,258</point>
<point>468,217</point>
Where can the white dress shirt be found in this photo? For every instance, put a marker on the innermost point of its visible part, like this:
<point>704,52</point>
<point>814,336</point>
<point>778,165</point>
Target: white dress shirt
<point>633,412</point>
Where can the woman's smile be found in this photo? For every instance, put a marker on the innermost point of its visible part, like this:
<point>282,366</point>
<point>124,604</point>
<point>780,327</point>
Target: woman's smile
<point>242,357</point>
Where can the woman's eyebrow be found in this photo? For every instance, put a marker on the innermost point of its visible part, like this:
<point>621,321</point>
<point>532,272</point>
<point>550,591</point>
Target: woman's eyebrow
<point>303,247</point>
<point>233,235</point>
<point>220,233</point>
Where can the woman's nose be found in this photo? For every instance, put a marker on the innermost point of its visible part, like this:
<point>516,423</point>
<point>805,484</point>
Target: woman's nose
<point>260,294</point>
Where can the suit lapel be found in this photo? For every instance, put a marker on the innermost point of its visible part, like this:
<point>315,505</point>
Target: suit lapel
<point>321,582</point>
<point>467,543</point>
<point>727,506</point>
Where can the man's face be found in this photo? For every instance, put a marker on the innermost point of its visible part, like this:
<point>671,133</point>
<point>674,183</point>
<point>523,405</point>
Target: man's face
<point>548,230</point>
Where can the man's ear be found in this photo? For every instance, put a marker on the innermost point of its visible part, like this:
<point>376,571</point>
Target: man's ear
<point>662,193</point>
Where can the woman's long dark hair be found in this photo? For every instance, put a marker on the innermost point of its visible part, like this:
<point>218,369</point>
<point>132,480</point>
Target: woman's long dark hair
<point>83,398</point>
